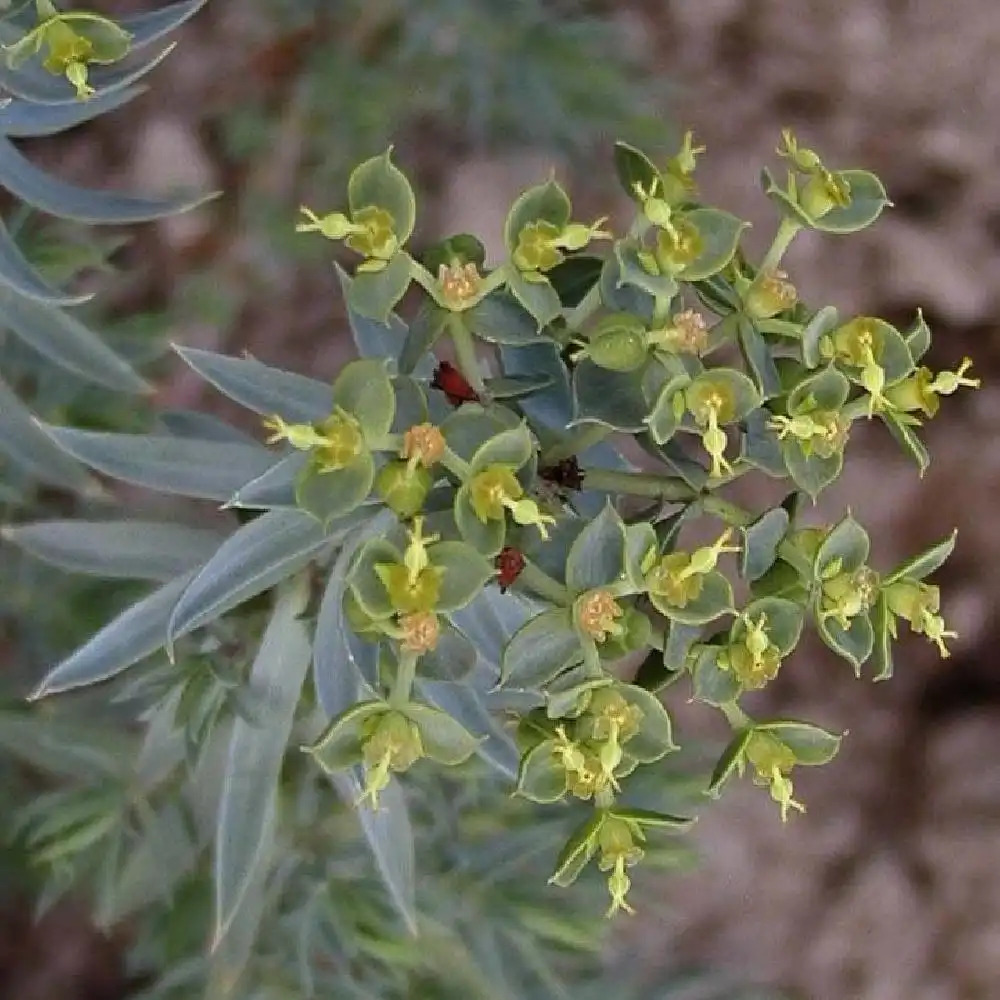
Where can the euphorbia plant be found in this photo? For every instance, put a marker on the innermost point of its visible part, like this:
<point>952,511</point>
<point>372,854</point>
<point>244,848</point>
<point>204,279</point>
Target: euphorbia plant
<point>494,576</point>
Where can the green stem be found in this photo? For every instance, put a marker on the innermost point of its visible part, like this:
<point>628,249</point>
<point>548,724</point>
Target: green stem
<point>781,327</point>
<point>541,584</point>
<point>455,464</point>
<point>604,798</point>
<point>586,308</point>
<point>787,229</point>
<point>402,686</point>
<point>640,484</point>
<point>465,355</point>
<point>735,715</point>
<point>726,511</point>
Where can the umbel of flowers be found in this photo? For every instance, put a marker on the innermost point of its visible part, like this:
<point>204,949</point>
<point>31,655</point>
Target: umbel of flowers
<point>713,364</point>
<point>501,555</point>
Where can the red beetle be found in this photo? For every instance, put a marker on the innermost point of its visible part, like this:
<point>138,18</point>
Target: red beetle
<point>509,563</point>
<point>453,384</point>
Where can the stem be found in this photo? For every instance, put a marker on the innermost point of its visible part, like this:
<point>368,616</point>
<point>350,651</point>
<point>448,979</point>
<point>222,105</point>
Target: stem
<point>726,511</point>
<point>540,583</point>
<point>578,440</point>
<point>735,715</point>
<point>402,686</point>
<point>787,229</point>
<point>640,484</point>
<point>586,307</point>
<point>465,355</point>
<point>455,464</point>
<point>604,798</point>
<point>781,327</point>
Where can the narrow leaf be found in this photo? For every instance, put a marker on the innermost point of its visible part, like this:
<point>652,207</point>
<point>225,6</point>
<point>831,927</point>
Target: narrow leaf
<point>63,339</point>
<point>22,119</point>
<point>244,835</point>
<point>32,450</point>
<point>390,837</point>
<point>20,276</point>
<point>49,194</point>
<point>138,631</point>
<point>137,550</point>
<point>335,670</point>
<point>152,25</point>
<point>259,387</point>
<point>252,560</point>
<point>211,470</point>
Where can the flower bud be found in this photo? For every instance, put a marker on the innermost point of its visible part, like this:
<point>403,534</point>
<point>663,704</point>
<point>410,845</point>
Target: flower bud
<point>596,614</point>
<point>770,294</point>
<point>421,631</point>
<point>688,334</point>
<point>460,284</point>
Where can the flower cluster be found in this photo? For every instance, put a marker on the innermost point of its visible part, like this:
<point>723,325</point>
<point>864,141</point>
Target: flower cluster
<point>504,486</point>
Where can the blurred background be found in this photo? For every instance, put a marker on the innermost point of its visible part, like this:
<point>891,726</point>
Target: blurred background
<point>889,887</point>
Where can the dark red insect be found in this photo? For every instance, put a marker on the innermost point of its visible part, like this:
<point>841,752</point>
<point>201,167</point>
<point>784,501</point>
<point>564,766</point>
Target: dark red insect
<point>509,563</point>
<point>565,474</point>
<point>453,384</point>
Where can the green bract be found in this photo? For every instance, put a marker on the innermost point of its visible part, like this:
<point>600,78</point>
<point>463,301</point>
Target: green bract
<point>483,544</point>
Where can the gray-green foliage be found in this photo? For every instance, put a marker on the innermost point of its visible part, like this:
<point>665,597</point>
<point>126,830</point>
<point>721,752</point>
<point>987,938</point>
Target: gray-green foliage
<point>133,812</point>
<point>444,554</point>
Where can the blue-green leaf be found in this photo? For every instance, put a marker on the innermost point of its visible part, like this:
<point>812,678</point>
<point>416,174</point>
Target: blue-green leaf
<point>499,319</point>
<point>211,470</point>
<point>810,744</point>
<point>597,555</point>
<point>48,194</point>
<point>135,550</point>
<point>29,448</point>
<point>259,387</point>
<point>421,335</point>
<point>848,543</point>
<point>759,359</point>
<point>200,426</point>
<point>336,674</point>
<point>244,834</point>
<point>21,277</point>
<point>614,399</point>
<point>139,630</point>
<point>253,559</point>
<point>150,26</point>
<point>542,648</point>
<point>273,488</point>
<point>379,340</point>
<point>390,837</point>
<point>882,622</point>
<point>760,543</point>
<point>854,643</point>
<point>22,119</point>
<point>67,342</point>
<point>925,563</point>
